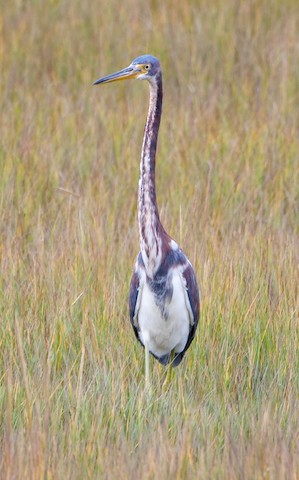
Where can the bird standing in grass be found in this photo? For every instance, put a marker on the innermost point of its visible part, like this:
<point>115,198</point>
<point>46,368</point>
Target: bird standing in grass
<point>164,297</point>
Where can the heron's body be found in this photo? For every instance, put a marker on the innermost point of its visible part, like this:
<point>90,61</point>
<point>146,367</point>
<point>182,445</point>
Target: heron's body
<point>164,298</point>
<point>160,309</point>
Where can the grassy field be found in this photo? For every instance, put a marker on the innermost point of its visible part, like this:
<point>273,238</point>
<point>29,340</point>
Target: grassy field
<point>72,397</point>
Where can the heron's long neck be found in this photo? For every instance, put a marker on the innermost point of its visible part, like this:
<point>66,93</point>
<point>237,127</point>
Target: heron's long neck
<point>153,238</point>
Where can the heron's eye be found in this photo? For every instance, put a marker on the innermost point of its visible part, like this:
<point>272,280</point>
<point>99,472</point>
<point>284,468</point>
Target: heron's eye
<point>146,67</point>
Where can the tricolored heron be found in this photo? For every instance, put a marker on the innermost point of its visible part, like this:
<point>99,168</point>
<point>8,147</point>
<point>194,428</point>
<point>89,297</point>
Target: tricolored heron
<point>164,297</point>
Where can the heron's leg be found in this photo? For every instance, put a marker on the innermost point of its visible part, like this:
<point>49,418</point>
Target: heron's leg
<point>169,372</point>
<point>147,365</point>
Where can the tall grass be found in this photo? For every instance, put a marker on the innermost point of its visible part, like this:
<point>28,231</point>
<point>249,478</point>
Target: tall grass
<point>72,394</point>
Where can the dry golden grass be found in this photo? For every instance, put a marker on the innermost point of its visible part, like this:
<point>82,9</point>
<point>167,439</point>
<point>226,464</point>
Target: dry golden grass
<point>72,396</point>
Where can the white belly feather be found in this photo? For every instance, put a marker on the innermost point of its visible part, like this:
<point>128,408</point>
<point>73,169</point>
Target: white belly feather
<point>162,335</point>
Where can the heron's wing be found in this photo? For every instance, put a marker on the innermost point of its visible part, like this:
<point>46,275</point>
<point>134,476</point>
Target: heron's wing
<point>134,298</point>
<point>193,297</point>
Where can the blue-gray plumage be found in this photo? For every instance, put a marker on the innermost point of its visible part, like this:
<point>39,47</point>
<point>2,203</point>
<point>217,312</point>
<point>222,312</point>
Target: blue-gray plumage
<point>164,297</point>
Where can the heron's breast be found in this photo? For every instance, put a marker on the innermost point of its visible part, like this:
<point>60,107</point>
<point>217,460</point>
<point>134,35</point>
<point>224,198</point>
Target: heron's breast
<point>163,318</point>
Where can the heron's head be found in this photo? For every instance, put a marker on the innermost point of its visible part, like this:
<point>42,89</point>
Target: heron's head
<point>145,67</point>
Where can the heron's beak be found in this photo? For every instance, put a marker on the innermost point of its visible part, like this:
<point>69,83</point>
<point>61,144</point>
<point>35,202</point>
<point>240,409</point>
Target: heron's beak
<point>129,72</point>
